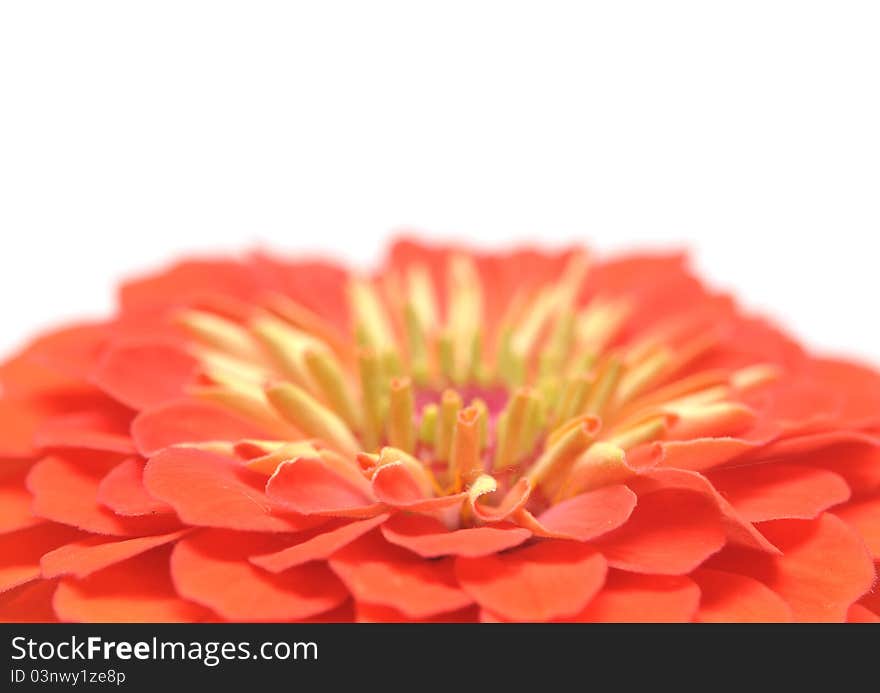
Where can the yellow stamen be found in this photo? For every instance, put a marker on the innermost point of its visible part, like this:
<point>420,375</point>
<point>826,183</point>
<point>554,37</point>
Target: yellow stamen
<point>511,425</point>
<point>602,464</point>
<point>644,432</point>
<point>286,345</point>
<point>603,389</point>
<point>558,457</point>
<point>221,334</point>
<point>751,377</point>
<point>428,424</point>
<point>252,407</point>
<point>401,432</point>
<point>373,394</point>
<point>370,315</point>
<point>450,403</point>
<point>482,421</point>
<point>311,417</point>
<point>331,380</point>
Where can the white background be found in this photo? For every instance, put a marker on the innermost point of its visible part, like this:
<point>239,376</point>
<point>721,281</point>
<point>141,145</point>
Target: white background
<point>132,132</point>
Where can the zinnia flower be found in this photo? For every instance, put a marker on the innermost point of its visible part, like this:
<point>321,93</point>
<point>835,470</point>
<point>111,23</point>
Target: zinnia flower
<point>461,437</point>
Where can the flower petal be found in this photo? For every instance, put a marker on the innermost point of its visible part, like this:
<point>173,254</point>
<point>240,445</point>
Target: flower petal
<point>777,491</point>
<point>374,613</point>
<point>731,598</point>
<point>861,614</point>
<point>191,421</point>
<point>122,490</point>
<point>86,556</point>
<point>379,573</point>
<point>319,547</point>
<point>212,568</point>
<point>634,598</point>
<point>429,538</point>
<point>738,529</point>
<point>144,373</point>
<point>15,500</point>
<point>311,486</point>
<point>138,590</point>
<point>864,517</point>
<point>548,580</point>
<point>29,603</point>
<point>21,550</point>
<point>824,568</point>
<point>670,532</point>
<point>212,490</point>
<point>584,517</point>
<point>65,489</point>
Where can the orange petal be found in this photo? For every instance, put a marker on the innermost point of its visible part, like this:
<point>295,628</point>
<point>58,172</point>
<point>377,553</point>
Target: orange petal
<point>731,598</point>
<point>548,580</point>
<point>144,374</point>
<point>738,529</point>
<point>374,613</point>
<point>429,538</point>
<point>584,517</point>
<point>65,489</point>
<point>212,490</point>
<point>309,485</point>
<point>105,426</point>
<point>86,556</point>
<point>321,545</point>
<point>671,532</point>
<point>29,603</point>
<point>634,598</point>
<point>860,614</point>
<point>138,590</point>
<point>212,568</point>
<point>824,568</point>
<point>21,550</point>
<point>191,421</point>
<point>379,573</point>
<point>864,517</point>
<point>122,490</point>
<point>776,491</point>
<point>15,500</point>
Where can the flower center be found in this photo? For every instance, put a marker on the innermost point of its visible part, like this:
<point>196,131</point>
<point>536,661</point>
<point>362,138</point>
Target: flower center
<point>542,386</point>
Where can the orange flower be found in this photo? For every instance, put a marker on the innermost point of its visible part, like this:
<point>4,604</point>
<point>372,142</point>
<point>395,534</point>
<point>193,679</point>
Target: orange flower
<point>520,437</point>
